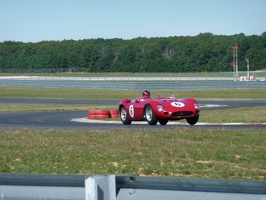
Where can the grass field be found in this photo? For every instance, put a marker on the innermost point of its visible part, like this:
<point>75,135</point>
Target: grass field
<point>179,152</point>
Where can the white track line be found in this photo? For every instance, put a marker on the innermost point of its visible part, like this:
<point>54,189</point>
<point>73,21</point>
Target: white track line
<point>212,106</point>
<point>86,120</point>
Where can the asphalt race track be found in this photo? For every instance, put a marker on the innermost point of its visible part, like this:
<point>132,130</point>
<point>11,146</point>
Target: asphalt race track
<point>66,120</point>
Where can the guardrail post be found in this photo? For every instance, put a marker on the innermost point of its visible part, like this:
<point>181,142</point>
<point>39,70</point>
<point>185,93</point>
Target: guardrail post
<point>91,189</point>
<point>100,188</point>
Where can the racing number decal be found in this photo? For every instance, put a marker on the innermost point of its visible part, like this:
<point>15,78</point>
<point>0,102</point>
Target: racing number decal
<point>131,111</point>
<point>177,104</point>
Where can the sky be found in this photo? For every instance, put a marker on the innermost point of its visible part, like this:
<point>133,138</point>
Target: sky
<point>45,20</point>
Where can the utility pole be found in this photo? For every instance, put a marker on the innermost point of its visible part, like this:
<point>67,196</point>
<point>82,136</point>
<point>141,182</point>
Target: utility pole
<point>247,68</point>
<point>235,61</point>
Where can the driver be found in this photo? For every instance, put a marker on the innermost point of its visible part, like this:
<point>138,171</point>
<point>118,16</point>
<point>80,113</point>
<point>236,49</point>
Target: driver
<point>146,94</point>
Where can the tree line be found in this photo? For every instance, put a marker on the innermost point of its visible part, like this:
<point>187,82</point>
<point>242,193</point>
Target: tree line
<point>205,52</point>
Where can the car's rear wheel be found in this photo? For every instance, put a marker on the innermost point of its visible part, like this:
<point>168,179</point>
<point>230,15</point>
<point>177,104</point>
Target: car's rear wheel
<point>150,116</point>
<point>124,117</point>
<point>163,121</point>
<point>192,120</point>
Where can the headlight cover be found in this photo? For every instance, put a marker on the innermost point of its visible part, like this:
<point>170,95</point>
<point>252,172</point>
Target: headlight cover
<point>196,105</point>
<point>160,108</point>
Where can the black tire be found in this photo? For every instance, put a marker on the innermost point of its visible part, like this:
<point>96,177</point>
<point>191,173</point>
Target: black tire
<point>124,117</point>
<point>192,120</point>
<point>163,121</point>
<point>150,116</point>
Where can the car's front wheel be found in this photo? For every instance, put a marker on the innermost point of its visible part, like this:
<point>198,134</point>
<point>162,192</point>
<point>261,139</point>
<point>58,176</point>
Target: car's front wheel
<point>150,116</point>
<point>124,117</point>
<point>163,121</point>
<point>192,120</point>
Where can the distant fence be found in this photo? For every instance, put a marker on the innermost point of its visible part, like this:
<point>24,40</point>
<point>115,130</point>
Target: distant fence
<point>44,71</point>
<point>130,82</point>
<point>82,72</point>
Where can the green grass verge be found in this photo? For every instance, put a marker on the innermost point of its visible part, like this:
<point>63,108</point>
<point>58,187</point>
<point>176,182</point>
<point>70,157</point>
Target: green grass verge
<point>245,115</point>
<point>52,107</point>
<point>74,93</point>
<point>178,152</point>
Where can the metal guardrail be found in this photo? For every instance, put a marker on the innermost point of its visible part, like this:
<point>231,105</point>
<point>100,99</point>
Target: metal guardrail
<point>122,78</point>
<point>123,83</point>
<point>176,76</point>
<point>111,187</point>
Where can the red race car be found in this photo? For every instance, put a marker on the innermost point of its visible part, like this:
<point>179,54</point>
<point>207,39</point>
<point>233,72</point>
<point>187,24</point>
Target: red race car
<point>158,109</point>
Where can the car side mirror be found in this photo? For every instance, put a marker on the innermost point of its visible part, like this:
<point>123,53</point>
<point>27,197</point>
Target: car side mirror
<point>137,100</point>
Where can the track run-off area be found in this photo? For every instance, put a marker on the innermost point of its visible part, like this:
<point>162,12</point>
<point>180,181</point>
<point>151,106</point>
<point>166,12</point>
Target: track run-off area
<point>78,120</point>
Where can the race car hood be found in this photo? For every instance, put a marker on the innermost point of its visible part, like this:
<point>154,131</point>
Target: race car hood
<point>171,104</point>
